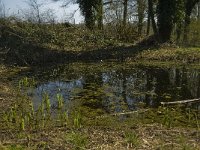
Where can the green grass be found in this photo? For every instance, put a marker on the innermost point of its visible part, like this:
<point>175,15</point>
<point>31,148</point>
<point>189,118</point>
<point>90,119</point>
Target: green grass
<point>132,138</point>
<point>183,55</point>
<point>79,140</point>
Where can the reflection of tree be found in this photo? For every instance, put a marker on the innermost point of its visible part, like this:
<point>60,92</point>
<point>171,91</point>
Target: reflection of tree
<point>115,90</point>
<point>149,80</point>
<point>124,85</point>
<point>128,87</point>
<point>123,89</point>
<point>136,87</point>
<point>193,83</point>
<point>92,92</point>
<point>185,83</point>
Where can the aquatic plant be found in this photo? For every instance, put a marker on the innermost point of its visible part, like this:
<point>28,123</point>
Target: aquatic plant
<point>78,140</point>
<point>168,117</point>
<point>132,138</point>
<point>77,119</point>
<point>26,83</point>
<point>60,101</point>
<point>47,103</point>
<point>22,124</point>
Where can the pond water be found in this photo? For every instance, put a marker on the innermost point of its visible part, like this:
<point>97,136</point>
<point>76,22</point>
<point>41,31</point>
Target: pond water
<point>116,89</point>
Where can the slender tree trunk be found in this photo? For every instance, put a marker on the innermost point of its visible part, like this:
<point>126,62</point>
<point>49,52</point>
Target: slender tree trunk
<point>141,9</point>
<point>100,14</point>
<point>151,19</point>
<point>189,5</point>
<point>178,32</point>
<point>38,16</point>
<point>198,13</point>
<point>151,14</point>
<point>186,28</point>
<point>148,19</point>
<point>125,13</point>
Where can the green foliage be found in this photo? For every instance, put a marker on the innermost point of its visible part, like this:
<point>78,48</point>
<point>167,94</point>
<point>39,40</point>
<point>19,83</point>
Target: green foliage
<point>168,117</point>
<point>14,147</point>
<point>60,101</point>
<point>47,102</point>
<point>92,11</point>
<point>57,37</point>
<point>77,120</point>
<point>183,55</point>
<point>78,140</point>
<point>132,138</point>
<point>27,83</point>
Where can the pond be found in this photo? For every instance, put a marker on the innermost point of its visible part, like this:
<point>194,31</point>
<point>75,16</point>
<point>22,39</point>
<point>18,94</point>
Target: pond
<point>115,87</point>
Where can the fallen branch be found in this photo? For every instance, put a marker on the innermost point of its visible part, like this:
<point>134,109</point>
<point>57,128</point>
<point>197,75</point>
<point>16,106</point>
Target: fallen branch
<point>123,113</point>
<point>181,102</point>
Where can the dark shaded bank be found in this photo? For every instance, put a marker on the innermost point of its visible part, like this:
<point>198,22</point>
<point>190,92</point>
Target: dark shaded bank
<point>41,56</point>
<point>17,47</point>
<point>32,54</point>
<point>20,48</point>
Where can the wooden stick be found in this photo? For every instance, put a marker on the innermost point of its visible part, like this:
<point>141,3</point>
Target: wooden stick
<point>123,113</point>
<point>181,102</point>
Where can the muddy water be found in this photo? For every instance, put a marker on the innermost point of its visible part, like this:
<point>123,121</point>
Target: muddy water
<point>116,89</point>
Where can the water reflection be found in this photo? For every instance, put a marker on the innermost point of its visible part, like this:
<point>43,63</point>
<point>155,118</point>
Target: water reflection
<point>122,89</point>
<point>67,89</point>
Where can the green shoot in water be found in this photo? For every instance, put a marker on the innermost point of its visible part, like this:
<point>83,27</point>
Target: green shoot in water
<point>47,102</point>
<point>77,120</point>
<point>60,101</point>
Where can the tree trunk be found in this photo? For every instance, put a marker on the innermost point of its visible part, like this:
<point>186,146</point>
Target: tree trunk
<point>89,19</point>
<point>87,8</point>
<point>151,13</point>
<point>148,20</point>
<point>100,14</point>
<point>165,20</point>
<point>151,19</point>
<point>189,5</point>
<point>141,9</point>
<point>178,32</point>
<point>125,13</point>
<point>198,13</point>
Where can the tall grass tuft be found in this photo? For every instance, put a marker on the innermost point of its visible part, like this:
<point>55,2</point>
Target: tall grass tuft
<point>77,119</point>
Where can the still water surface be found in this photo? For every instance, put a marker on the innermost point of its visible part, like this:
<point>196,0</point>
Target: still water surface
<point>117,89</point>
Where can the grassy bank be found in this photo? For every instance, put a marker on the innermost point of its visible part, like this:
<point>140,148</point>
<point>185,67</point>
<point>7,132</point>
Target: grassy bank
<point>180,55</point>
